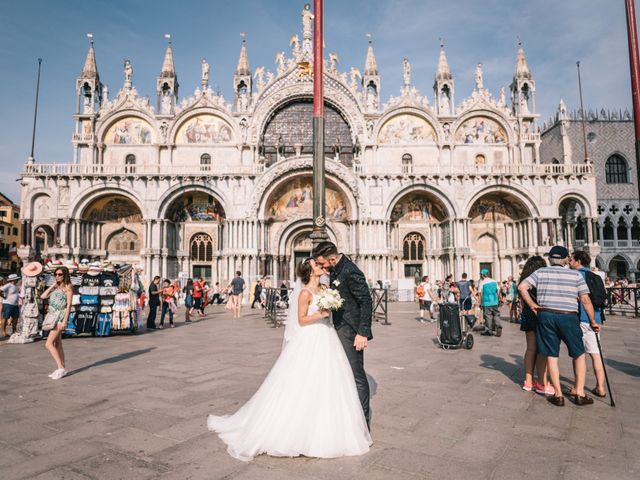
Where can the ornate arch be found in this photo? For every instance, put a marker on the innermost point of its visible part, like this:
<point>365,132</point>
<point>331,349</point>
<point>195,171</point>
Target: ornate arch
<point>112,118</point>
<point>630,264</point>
<point>177,191</point>
<point>578,197</point>
<point>294,167</point>
<point>290,88</point>
<point>496,116</point>
<point>37,199</point>
<point>89,195</point>
<point>189,113</point>
<point>451,210</point>
<point>127,237</point>
<point>523,196</point>
<point>291,229</point>
<point>421,112</point>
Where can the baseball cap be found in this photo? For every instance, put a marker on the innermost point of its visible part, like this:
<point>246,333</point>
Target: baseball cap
<point>559,252</point>
<point>484,271</point>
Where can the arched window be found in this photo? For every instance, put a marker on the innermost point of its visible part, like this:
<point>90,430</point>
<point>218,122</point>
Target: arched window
<point>616,170</point>
<point>607,230</point>
<point>205,162</point>
<point>413,247</point>
<point>130,163</point>
<point>407,163</point>
<point>201,248</point>
<point>622,229</point>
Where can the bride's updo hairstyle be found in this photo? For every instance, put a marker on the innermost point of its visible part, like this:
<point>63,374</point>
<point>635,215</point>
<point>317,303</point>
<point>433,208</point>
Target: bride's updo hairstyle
<point>303,271</point>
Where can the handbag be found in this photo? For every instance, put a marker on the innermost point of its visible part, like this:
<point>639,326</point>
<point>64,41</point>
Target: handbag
<point>50,320</point>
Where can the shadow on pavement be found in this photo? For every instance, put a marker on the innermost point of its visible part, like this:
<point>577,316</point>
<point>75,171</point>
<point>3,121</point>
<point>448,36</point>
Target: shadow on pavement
<point>510,370</point>
<point>116,359</point>
<point>624,367</point>
<point>373,385</point>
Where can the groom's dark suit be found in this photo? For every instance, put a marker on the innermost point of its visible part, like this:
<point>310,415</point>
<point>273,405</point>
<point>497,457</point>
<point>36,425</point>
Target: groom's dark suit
<point>354,318</point>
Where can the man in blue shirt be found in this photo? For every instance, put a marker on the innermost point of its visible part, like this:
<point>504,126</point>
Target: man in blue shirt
<point>490,302</point>
<point>581,261</point>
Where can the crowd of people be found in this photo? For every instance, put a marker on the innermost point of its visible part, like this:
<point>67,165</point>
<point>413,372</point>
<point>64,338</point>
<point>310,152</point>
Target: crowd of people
<point>561,301</point>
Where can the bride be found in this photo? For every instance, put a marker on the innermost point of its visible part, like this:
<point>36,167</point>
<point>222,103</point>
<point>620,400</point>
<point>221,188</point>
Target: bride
<point>308,404</point>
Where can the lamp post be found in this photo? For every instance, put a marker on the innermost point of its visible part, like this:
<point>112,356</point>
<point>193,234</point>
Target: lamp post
<point>583,116</point>
<point>31,158</point>
<point>634,67</point>
<point>319,232</point>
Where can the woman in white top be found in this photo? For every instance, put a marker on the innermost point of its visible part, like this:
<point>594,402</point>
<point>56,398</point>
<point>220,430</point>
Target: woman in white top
<point>308,403</point>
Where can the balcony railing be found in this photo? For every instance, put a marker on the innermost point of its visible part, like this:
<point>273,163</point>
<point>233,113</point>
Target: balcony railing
<point>76,169</point>
<point>490,170</point>
<point>619,243</point>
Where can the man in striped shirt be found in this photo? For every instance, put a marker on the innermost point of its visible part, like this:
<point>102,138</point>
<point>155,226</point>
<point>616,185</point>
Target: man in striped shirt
<point>558,292</point>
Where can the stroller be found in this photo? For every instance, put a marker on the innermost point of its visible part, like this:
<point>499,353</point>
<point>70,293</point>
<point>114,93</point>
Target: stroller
<point>454,329</point>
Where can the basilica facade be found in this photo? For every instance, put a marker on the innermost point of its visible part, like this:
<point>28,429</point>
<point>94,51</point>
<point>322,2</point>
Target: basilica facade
<point>417,185</point>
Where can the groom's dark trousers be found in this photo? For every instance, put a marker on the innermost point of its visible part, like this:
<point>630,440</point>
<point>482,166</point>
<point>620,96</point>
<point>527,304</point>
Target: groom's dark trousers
<point>356,360</point>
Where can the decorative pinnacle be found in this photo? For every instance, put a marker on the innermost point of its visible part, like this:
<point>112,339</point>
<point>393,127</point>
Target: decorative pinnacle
<point>90,37</point>
<point>167,36</point>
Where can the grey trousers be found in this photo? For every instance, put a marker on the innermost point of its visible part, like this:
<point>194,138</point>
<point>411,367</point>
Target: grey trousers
<point>491,317</point>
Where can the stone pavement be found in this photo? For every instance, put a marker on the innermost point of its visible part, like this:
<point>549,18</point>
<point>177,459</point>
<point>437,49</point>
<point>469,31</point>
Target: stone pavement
<point>135,407</point>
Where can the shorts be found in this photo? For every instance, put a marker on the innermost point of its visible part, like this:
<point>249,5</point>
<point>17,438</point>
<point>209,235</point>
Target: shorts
<point>10,311</point>
<point>466,303</point>
<point>425,304</point>
<point>552,328</point>
<point>589,339</point>
<point>197,303</point>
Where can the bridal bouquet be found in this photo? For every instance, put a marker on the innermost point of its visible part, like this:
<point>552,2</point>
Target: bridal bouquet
<point>329,299</point>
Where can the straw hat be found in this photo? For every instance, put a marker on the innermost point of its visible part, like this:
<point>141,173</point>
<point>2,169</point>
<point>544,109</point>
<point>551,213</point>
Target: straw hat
<point>32,269</point>
<point>13,277</point>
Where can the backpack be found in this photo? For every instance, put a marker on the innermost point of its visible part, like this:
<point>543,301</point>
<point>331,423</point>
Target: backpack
<point>597,290</point>
<point>420,291</point>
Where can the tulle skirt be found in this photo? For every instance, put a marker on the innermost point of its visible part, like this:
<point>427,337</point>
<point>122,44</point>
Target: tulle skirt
<point>307,405</point>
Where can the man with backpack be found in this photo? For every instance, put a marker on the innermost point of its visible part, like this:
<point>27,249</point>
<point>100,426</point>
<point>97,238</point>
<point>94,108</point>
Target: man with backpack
<point>424,294</point>
<point>598,293</point>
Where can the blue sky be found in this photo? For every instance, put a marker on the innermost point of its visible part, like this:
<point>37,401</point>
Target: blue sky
<point>555,34</point>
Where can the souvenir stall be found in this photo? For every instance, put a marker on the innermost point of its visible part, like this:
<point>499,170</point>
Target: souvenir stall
<point>105,300</point>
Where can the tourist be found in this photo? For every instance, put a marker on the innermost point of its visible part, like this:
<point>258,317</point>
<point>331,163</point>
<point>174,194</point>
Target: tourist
<point>424,294</point>
<point>154,302</point>
<point>10,304</point>
<point>257,291</point>
<point>205,297</point>
<point>513,299</point>
<point>558,290</point>
<point>490,302</point>
<point>237,290</point>
<point>60,296</point>
<point>528,322</point>
<point>168,302</point>
<point>188,300</point>
<point>217,294</point>
<point>465,299</point>
<point>580,261</point>
<point>197,296</point>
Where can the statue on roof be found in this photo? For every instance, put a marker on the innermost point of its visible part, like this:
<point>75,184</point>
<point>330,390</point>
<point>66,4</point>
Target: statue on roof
<point>205,72</point>
<point>128,73</point>
<point>406,72</point>
<point>479,79</point>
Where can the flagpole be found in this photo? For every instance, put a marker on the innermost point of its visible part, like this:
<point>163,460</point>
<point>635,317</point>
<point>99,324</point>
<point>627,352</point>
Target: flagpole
<point>634,66</point>
<point>319,220</point>
<point>31,158</point>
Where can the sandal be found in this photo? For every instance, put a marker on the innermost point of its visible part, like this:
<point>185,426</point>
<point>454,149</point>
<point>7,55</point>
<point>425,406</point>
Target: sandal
<point>598,394</point>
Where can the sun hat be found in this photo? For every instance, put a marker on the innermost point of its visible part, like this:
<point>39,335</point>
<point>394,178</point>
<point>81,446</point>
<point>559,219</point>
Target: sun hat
<point>32,269</point>
<point>13,277</point>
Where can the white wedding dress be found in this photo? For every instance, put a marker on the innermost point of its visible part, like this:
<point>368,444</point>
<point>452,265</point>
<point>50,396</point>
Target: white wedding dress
<point>307,405</point>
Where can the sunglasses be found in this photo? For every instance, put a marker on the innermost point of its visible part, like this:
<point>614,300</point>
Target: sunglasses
<point>59,274</point>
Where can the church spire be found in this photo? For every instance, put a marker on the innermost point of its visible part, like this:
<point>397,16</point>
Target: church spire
<point>90,69</point>
<point>522,69</point>
<point>168,69</point>
<point>370,66</point>
<point>443,72</point>
<point>243,61</point>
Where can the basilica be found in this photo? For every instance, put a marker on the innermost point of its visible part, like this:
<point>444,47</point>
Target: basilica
<point>203,186</point>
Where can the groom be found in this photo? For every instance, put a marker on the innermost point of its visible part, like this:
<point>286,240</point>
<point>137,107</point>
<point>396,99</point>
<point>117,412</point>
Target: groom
<point>353,320</point>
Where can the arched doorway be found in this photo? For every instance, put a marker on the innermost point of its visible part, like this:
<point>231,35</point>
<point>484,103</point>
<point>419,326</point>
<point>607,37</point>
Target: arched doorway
<point>112,224</point>
<point>618,268</point>
<point>43,238</point>
<point>194,235</point>
<point>420,221</point>
<point>574,224</point>
<point>500,233</point>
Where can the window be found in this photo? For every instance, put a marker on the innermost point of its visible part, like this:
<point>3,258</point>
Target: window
<point>413,247</point>
<point>16,215</point>
<point>2,230</point>
<point>591,136</point>
<point>407,162</point>
<point>616,170</point>
<point>130,164</point>
<point>201,248</point>
<point>205,162</point>
<point>3,213</point>
<point>15,231</point>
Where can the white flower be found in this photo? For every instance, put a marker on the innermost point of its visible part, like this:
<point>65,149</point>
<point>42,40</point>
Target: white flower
<point>336,283</point>
<point>329,299</point>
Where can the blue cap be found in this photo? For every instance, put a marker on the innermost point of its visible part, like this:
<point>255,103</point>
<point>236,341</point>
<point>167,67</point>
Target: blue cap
<point>484,271</point>
<point>558,252</point>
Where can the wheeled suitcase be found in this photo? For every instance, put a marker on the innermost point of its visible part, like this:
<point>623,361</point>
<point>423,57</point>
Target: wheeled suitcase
<point>450,332</point>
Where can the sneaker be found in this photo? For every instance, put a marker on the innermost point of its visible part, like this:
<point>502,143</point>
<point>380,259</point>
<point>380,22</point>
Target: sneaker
<point>54,373</point>
<point>548,390</point>
<point>58,374</point>
<point>527,387</point>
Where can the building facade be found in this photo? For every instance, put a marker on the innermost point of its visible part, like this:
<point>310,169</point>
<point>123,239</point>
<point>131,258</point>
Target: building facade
<point>610,146</point>
<point>10,235</point>
<point>195,184</point>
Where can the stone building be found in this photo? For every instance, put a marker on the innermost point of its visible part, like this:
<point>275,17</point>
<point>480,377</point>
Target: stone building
<point>610,146</point>
<point>195,184</point>
<point>10,227</point>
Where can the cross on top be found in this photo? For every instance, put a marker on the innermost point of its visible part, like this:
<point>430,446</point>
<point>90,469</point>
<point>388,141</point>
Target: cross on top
<point>627,209</point>
<point>614,209</point>
<point>601,209</point>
